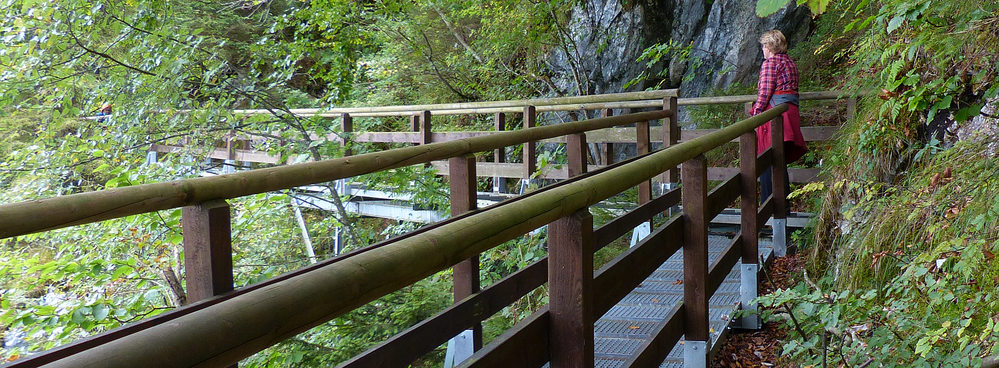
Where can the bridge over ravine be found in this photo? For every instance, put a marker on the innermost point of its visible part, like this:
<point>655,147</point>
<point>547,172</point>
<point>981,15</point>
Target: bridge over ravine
<point>680,282</point>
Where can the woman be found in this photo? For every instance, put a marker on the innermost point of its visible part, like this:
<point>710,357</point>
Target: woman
<point>778,84</point>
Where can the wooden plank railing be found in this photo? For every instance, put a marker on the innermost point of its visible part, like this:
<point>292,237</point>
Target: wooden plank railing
<point>225,328</point>
<point>499,170</point>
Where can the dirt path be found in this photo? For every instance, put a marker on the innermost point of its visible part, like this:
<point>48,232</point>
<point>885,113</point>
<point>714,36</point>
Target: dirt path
<point>760,348</point>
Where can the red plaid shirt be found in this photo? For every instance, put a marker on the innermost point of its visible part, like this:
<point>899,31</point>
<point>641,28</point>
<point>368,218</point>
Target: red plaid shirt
<point>778,73</point>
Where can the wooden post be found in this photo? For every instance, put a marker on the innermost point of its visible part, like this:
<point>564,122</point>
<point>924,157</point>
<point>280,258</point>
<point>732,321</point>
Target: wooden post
<point>207,249</point>
<point>779,172</point>
<point>695,262</point>
<point>425,133</point>
<point>576,152</point>
<point>671,136</point>
<point>463,199</point>
<point>414,124</point>
<point>530,156</point>
<point>570,295</point>
<point>499,155</point>
<point>608,148</point>
<point>643,142</point>
<point>750,231</point>
<point>346,127</point>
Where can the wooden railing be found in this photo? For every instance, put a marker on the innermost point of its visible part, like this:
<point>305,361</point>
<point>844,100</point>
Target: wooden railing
<point>422,131</point>
<point>224,328</point>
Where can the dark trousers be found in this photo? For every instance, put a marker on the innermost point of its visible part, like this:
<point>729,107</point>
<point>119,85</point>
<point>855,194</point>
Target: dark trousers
<point>767,183</point>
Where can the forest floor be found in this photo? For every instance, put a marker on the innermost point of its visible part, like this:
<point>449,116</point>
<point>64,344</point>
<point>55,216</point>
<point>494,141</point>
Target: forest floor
<point>761,348</point>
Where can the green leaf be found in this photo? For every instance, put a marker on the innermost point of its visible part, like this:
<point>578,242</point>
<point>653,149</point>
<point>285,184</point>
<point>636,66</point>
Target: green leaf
<point>121,271</point>
<point>968,112</point>
<point>765,8</point>
<point>894,23</point>
<point>78,316</point>
<point>101,312</point>
<point>151,296</point>
<point>816,6</point>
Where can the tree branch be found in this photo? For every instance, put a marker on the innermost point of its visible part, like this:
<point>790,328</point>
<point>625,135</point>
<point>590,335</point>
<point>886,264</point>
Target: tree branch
<point>106,56</point>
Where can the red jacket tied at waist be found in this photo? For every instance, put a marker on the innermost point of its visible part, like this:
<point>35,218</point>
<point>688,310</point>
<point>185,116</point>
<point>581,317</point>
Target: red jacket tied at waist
<point>795,146</point>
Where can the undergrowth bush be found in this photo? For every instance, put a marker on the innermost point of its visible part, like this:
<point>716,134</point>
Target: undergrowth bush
<point>918,282</point>
<point>901,270</point>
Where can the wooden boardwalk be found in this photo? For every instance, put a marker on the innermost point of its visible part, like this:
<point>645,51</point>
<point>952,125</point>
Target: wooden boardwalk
<point>627,325</point>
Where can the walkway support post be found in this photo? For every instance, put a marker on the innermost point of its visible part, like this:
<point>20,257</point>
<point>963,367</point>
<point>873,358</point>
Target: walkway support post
<point>530,148</point>
<point>671,136</point>
<point>463,199</point>
<point>346,127</point>
<point>499,155</point>
<point>576,151</point>
<point>694,196</point>
<point>779,187</point>
<point>570,294</point>
<point>207,250</point>
<point>750,232</point>
<point>643,142</point>
<point>425,132</point>
<point>607,154</point>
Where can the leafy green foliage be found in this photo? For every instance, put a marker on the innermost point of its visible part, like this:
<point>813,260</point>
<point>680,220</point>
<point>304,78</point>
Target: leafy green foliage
<point>767,7</point>
<point>904,246</point>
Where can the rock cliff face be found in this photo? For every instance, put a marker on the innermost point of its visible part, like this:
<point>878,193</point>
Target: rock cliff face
<point>607,36</point>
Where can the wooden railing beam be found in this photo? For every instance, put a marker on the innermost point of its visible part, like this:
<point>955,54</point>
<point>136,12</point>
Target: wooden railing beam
<point>695,262</point>
<point>207,250</point>
<point>570,282</point>
<point>529,152</point>
<point>607,149</point>
<point>499,155</point>
<point>346,128</point>
<point>748,289</point>
<point>464,199</point>
<point>576,149</point>
<point>779,175</point>
<point>643,147</point>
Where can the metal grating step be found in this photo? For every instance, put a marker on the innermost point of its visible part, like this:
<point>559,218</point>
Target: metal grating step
<point>616,347</point>
<point>624,328</point>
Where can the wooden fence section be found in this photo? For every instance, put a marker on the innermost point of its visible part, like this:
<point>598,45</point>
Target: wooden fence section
<point>423,132</point>
<point>220,330</point>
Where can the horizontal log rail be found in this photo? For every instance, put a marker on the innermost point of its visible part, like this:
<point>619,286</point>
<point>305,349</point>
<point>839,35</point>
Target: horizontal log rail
<point>568,103</point>
<point>647,99</point>
<point>608,135</point>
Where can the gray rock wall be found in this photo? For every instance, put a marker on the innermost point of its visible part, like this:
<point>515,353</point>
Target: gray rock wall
<point>606,37</point>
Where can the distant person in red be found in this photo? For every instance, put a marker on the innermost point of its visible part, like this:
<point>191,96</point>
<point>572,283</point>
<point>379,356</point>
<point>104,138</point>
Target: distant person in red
<point>104,112</point>
<point>778,84</point>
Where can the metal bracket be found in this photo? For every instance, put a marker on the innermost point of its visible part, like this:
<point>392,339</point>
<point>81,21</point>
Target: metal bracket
<point>780,237</point>
<point>459,348</point>
<point>695,354</point>
<point>748,291</point>
<point>640,232</point>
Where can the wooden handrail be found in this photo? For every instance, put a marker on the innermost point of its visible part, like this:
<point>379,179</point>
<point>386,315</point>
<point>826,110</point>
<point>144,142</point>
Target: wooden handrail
<point>53,213</point>
<point>567,102</point>
<point>649,99</point>
<point>224,332</point>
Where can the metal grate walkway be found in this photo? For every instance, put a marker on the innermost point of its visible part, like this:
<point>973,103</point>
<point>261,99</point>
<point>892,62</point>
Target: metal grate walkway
<point>626,326</point>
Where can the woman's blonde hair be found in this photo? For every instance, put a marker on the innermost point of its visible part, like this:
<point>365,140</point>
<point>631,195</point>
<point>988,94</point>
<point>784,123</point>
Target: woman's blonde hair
<point>774,41</point>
